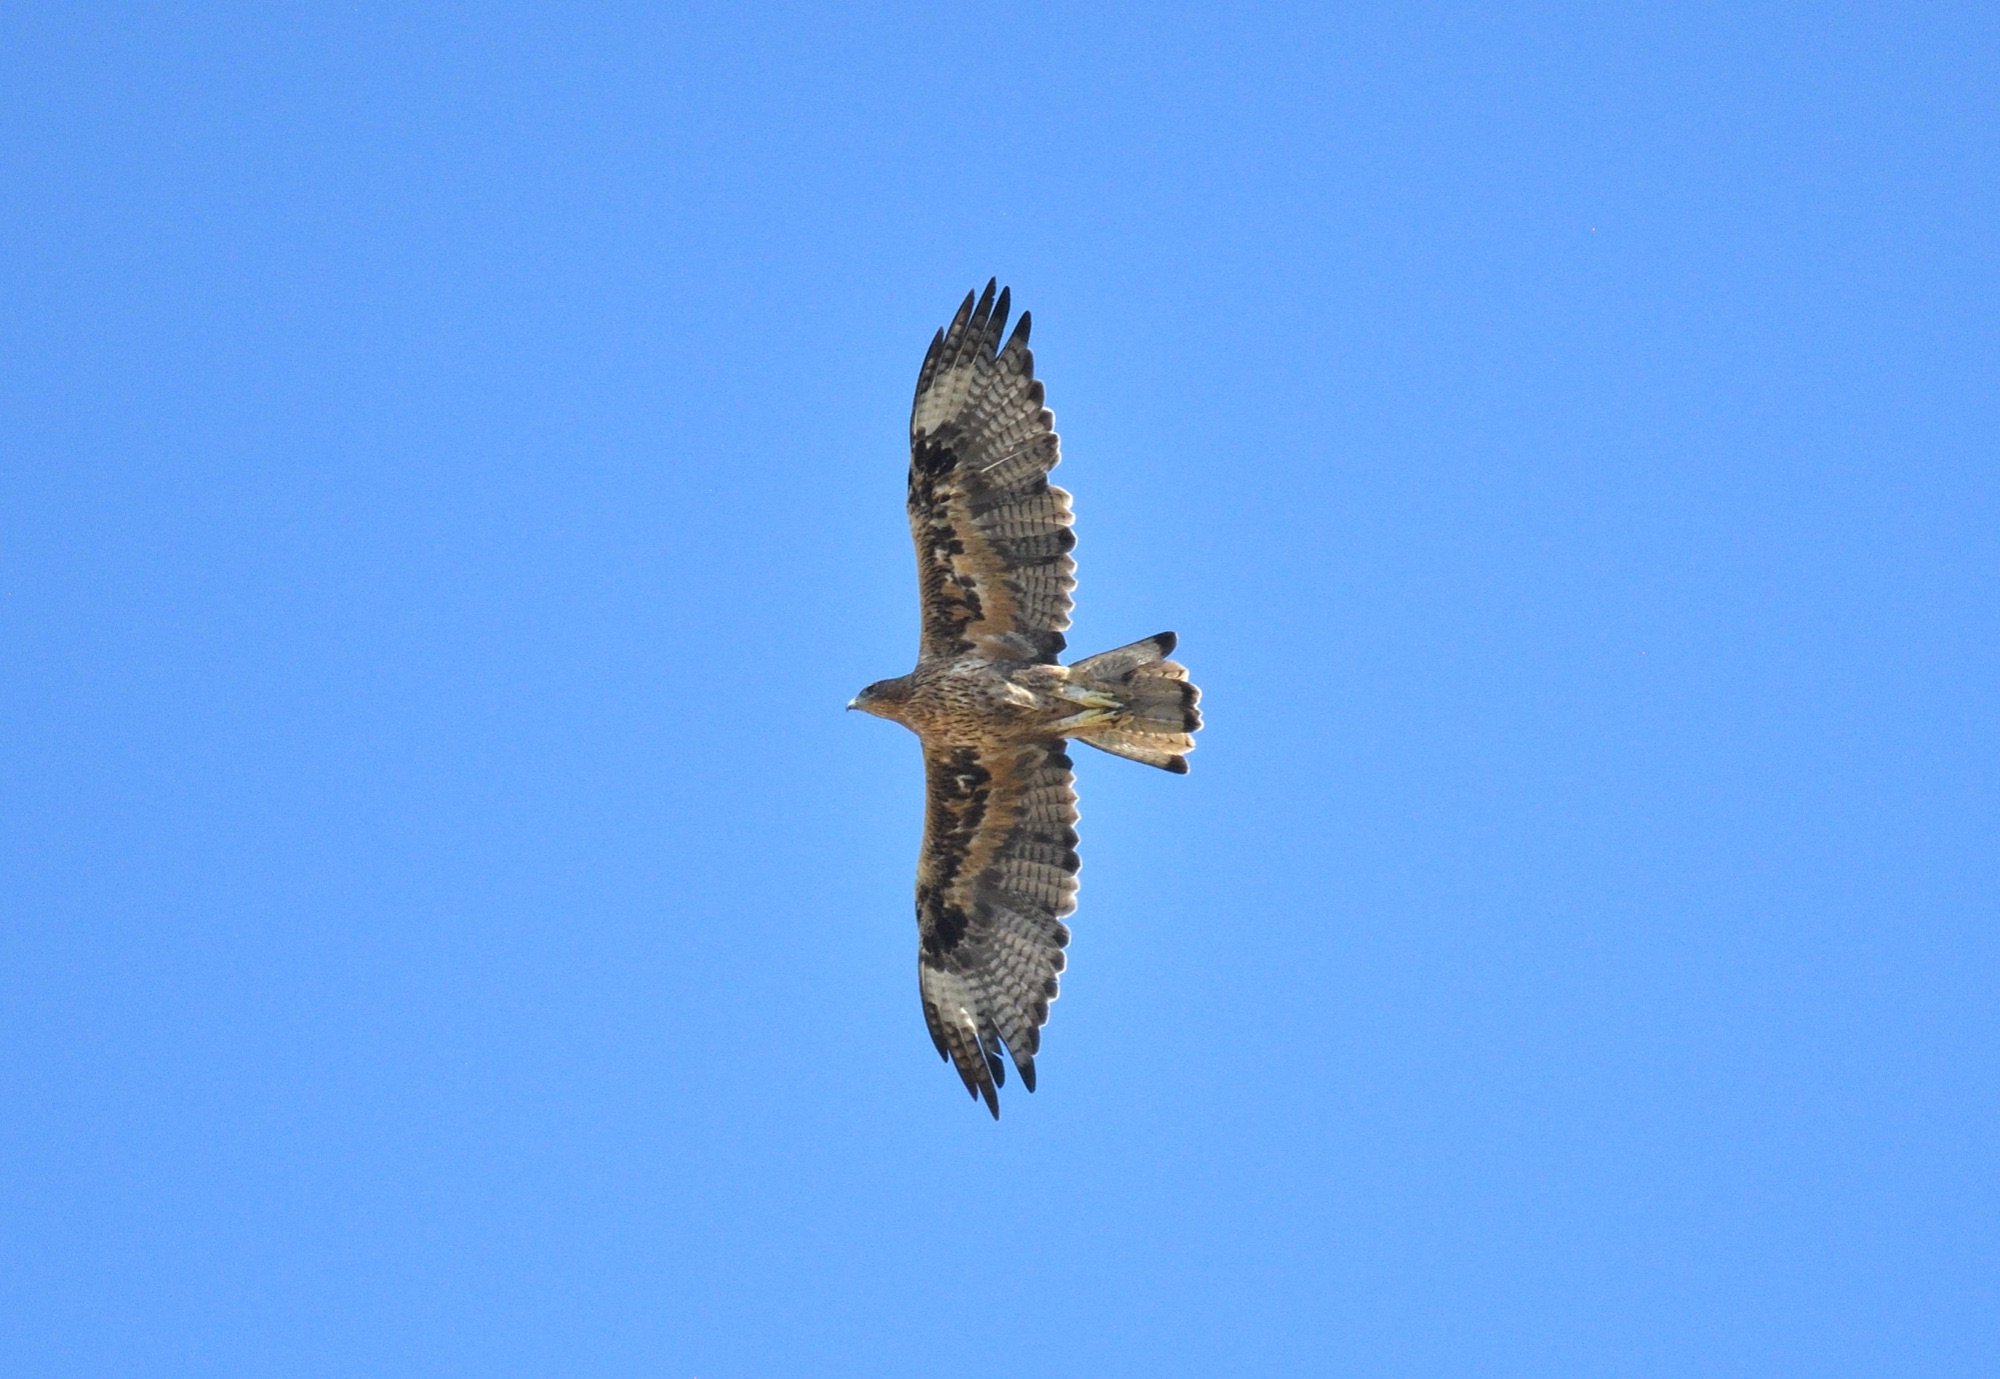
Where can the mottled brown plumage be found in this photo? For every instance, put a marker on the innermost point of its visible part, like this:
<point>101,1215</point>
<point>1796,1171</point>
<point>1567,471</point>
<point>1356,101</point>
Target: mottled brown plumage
<point>997,873</point>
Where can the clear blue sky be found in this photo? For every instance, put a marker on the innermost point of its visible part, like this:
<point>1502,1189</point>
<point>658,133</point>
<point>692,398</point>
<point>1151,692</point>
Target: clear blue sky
<point>452,482</point>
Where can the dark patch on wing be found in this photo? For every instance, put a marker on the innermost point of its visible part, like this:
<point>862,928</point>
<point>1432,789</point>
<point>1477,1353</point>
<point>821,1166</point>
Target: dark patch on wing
<point>993,536</point>
<point>956,794</point>
<point>996,876</point>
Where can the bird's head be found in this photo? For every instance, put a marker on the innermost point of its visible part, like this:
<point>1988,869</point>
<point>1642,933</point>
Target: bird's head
<point>884,698</point>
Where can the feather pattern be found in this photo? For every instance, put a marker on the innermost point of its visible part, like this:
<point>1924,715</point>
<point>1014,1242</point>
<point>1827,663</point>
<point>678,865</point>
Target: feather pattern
<point>996,877</point>
<point>993,536</point>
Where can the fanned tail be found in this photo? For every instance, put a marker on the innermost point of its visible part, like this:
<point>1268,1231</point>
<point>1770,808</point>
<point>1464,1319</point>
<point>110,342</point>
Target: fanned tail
<point>1156,717</point>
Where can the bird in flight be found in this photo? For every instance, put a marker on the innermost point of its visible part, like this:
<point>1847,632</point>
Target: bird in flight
<point>993,707</point>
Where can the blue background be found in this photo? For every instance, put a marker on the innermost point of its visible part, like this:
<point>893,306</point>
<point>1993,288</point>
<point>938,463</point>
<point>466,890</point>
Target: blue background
<point>452,481</point>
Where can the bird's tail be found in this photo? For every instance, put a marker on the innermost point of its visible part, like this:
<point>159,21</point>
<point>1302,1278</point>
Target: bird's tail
<point>1151,706</point>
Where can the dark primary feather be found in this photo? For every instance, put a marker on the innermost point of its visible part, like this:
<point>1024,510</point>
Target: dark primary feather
<point>992,534</point>
<point>996,876</point>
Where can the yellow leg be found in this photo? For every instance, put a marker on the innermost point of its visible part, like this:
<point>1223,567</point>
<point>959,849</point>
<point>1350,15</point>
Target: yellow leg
<point>1089,698</point>
<point>1089,718</point>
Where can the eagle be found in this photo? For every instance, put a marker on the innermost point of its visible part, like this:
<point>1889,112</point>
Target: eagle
<point>994,708</point>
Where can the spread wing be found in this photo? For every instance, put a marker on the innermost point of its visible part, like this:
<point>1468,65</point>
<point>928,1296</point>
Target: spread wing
<point>997,874</point>
<point>993,536</point>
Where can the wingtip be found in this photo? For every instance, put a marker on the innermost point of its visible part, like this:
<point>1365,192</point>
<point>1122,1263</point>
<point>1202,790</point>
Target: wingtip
<point>962,317</point>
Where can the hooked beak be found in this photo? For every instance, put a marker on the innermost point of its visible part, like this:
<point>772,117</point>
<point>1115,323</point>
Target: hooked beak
<point>854,703</point>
